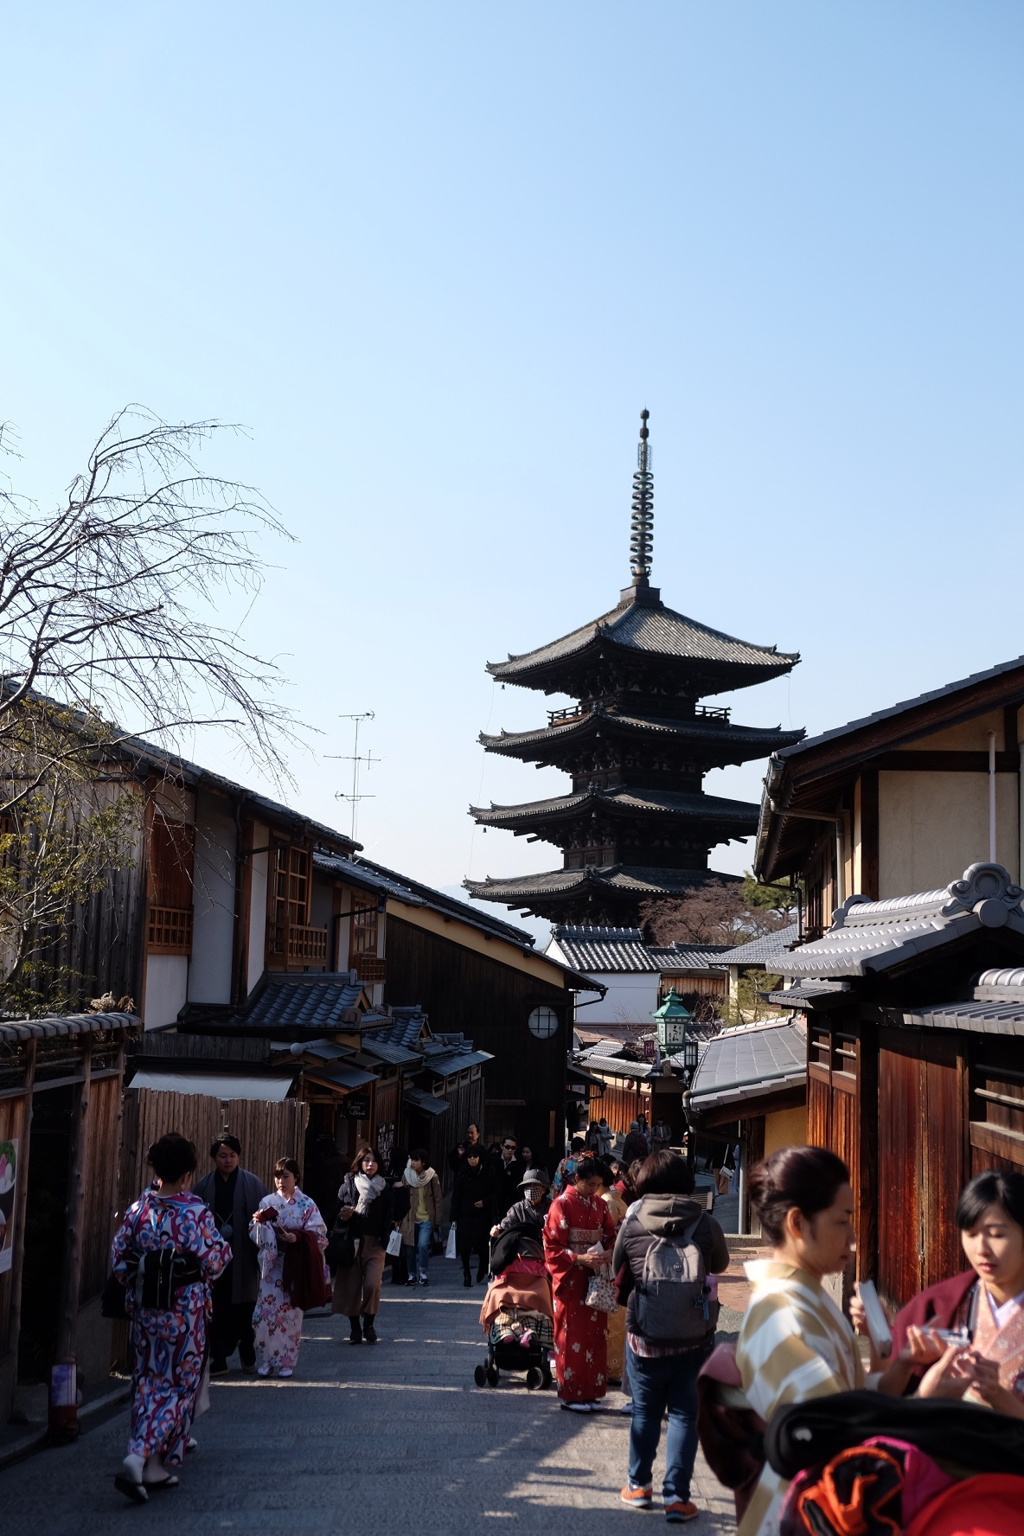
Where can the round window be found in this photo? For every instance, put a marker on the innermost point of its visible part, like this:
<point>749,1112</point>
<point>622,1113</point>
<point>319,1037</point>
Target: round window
<point>543,1023</point>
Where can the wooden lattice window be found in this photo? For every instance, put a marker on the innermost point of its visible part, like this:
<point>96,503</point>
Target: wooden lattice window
<point>364,935</point>
<point>290,887</point>
<point>171,859</point>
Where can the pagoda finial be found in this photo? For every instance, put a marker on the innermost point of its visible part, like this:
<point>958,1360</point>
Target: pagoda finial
<point>641,540</point>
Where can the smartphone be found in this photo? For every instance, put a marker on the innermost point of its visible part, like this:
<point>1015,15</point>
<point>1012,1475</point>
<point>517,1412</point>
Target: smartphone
<point>879,1331</point>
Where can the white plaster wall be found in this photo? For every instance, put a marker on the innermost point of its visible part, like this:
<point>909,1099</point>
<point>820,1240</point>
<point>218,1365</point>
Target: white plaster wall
<point>931,826</point>
<point>258,907</point>
<point>166,989</point>
<point>631,999</point>
<point>213,902</point>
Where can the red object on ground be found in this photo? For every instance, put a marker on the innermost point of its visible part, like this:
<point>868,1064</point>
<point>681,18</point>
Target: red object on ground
<point>988,1505</point>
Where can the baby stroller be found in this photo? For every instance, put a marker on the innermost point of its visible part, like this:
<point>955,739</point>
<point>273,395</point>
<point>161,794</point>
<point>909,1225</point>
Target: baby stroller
<point>517,1313</point>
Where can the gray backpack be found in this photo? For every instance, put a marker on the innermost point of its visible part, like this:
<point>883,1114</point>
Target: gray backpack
<point>672,1302</point>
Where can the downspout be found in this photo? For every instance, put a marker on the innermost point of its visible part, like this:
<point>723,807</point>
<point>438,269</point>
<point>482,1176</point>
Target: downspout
<point>992,797</point>
<point>839,821</point>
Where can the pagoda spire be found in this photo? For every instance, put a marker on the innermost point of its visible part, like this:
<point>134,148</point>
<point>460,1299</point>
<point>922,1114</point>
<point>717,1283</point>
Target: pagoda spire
<point>641,539</point>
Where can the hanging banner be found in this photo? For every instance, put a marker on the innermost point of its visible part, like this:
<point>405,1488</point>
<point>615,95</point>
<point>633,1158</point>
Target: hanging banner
<point>8,1189</point>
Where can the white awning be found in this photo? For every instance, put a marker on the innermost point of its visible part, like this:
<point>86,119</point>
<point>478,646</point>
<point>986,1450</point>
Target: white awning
<point>213,1085</point>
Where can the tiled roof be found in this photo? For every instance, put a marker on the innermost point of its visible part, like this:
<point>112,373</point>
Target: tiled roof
<point>456,1061</point>
<point>739,1063</point>
<point>327,1000</point>
<point>65,1026</point>
<point>387,1051</point>
<point>975,1018</point>
<point>813,992</point>
<point>420,1099</point>
<point>768,947</point>
<point>623,950</point>
<point>654,630</point>
<point>403,1030</point>
<point>376,877</point>
<point>869,936</point>
<point>734,742</point>
<point>618,1066</point>
<point>632,878</point>
<point>653,802</point>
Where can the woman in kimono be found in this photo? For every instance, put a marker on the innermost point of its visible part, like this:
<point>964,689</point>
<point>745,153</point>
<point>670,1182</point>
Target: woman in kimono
<point>985,1304</point>
<point>169,1343</point>
<point>795,1344</point>
<point>281,1217</point>
<point>577,1222</point>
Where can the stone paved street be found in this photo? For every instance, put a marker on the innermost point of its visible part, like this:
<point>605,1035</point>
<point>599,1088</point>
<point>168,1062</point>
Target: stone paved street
<point>367,1440</point>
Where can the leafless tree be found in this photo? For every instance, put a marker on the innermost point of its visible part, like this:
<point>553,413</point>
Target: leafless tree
<point>102,600</point>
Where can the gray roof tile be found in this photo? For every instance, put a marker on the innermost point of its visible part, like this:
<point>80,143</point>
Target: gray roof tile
<point>768,947</point>
<point>620,950</point>
<point>766,1055</point>
<point>65,1026</point>
<point>322,999</point>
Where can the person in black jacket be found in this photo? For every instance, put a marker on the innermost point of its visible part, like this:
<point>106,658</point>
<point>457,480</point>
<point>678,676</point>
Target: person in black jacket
<point>472,1213</point>
<point>663,1373</point>
<point>367,1209</point>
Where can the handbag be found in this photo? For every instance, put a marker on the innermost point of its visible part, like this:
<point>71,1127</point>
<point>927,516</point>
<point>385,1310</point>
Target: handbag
<point>340,1252</point>
<point>602,1294</point>
<point>394,1247</point>
<point>449,1250</point>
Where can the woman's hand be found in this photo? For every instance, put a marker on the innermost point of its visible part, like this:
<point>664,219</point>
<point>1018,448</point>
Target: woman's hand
<point>347,1212</point>
<point>858,1316</point>
<point>950,1376</point>
<point>923,1347</point>
<point>592,1260</point>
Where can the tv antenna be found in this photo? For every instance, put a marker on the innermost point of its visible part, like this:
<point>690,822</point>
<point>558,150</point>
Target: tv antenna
<point>355,760</point>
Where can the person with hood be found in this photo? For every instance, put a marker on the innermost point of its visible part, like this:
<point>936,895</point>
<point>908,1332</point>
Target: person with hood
<point>423,1214</point>
<point>472,1209</point>
<point>636,1144</point>
<point>663,1370</point>
<point>232,1193</point>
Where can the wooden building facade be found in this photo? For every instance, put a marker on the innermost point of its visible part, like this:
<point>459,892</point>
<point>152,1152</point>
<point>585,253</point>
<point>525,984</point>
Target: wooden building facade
<point>914,1011</point>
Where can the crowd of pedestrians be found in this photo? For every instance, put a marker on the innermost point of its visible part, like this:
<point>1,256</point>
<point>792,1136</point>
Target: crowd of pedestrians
<point>627,1257</point>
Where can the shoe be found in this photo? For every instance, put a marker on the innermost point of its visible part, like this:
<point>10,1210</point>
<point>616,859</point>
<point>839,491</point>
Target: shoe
<point>678,1511</point>
<point>218,1366</point>
<point>626,1407</point>
<point>579,1407</point>
<point>264,1370</point>
<point>467,1282</point>
<point>410,1282</point>
<point>481,1279</point>
<point>154,1475</point>
<point>192,1444</point>
<point>129,1482</point>
<point>369,1331</point>
<point>248,1363</point>
<point>355,1332</point>
<point>286,1371</point>
<point>637,1498</point>
<point>422,1280</point>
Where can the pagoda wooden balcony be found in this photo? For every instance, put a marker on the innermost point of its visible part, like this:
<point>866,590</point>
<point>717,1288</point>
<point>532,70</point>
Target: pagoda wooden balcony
<point>291,947</point>
<point>169,931</point>
<point>712,712</point>
<point>563,716</point>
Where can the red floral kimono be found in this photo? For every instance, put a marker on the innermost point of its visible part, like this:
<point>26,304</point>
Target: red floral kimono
<point>575,1224</point>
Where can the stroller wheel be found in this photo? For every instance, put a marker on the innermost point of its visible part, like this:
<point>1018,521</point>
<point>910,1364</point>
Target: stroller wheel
<point>480,1375</point>
<point>534,1378</point>
<point>492,1376</point>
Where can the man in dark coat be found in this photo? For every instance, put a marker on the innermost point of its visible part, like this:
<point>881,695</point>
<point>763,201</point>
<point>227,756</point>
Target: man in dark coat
<point>233,1193</point>
<point>506,1171</point>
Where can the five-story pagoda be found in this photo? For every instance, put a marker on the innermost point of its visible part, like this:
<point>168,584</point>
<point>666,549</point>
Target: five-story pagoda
<point>636,824</point>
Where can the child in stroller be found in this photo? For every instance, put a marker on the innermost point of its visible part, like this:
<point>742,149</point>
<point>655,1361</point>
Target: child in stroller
<point>517,1315</point>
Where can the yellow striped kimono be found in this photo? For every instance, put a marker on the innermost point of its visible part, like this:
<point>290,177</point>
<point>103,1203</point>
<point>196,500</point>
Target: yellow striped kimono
<point>794,1344</point>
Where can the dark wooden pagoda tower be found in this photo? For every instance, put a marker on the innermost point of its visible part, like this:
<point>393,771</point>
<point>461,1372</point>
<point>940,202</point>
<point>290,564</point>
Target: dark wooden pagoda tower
<point>636,824</point>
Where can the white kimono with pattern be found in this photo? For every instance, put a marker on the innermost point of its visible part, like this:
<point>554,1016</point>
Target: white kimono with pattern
<point>277,1325</point>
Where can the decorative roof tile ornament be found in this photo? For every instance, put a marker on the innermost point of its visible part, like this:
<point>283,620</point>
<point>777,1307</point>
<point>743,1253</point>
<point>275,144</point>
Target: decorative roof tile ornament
<point>636,822</point>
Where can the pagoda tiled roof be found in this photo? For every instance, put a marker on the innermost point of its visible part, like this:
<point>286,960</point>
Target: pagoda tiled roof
<point>619,950</point>
<point>628,879</point>
<point>621,799</point>
<point>648,628</point>
<point>735,743</point>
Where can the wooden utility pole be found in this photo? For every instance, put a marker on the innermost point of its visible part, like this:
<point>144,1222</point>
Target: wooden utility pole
<point>63,1414</point>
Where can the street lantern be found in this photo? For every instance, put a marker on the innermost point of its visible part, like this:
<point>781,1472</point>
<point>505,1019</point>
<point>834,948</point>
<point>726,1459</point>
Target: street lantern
<point>672,1017</point>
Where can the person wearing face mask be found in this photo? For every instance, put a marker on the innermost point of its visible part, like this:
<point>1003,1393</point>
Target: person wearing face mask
<point>232,1193</point>
<point>794,1343</point>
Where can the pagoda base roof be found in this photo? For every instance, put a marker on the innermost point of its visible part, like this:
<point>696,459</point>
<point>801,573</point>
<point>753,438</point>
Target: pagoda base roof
<point>567,895</point>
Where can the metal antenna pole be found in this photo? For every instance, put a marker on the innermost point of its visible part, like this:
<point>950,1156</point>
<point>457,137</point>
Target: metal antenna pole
<point>355,760</point>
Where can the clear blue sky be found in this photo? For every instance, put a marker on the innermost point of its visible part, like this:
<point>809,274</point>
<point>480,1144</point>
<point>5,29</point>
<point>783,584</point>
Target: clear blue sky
<point>438,256</point>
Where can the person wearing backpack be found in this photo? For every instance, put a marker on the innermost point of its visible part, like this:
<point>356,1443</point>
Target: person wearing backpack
<point>667,1248</point>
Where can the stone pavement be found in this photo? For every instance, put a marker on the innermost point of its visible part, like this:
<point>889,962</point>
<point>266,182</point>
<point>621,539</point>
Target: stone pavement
<point>366,1440</point>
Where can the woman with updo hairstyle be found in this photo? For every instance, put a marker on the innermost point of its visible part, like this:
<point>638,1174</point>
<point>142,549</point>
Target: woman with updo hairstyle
<point>795,1343</point>
<point>280,1221</point>
<point>166,1252</point>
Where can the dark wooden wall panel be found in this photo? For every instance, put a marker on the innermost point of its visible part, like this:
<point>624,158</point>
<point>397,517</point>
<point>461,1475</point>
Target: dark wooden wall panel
<point>489,1002</point>
<point>899,1215</point>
